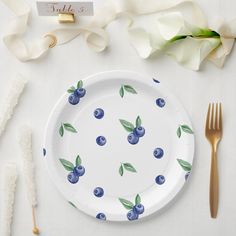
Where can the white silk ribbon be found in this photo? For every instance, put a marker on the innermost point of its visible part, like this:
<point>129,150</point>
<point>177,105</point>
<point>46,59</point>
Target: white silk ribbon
<point>150,37</point>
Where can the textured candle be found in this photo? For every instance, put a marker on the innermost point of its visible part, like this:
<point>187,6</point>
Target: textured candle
<point>9,103</point>
<point>9,186</point>
<point>28,169</point>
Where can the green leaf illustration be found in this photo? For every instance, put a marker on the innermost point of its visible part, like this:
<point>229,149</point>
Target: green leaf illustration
<point>130,89</point>
<point>127,125</point>
<point>80,84</point>
<point>61,130</point>
<point>127,204</point>
<point>179,132</point>
<point>69,128</point>
<point>71,89</point>
<point>137,199</point>
<point>72,204</point>
<point>121,170</point>
<point>186,129</point>
<point>129,167</point>
<point>138,121</point>
<point>185,165</point>
<point>78,161</point>
<point>126,166</point>
<point>67,164</point>
<point>121,91</point>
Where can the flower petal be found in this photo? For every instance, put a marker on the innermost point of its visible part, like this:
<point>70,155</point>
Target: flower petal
<point>190,52</point>
<point>172,24</point>
<point>140,39</point>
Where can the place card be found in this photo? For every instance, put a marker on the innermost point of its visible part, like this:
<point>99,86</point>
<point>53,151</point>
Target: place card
<point>52,8</point>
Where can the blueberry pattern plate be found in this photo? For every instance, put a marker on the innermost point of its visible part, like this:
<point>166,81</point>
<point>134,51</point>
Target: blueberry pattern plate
<point>118,145</point>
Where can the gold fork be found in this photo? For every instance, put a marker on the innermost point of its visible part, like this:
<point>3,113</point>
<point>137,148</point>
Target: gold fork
<point>213,132</point>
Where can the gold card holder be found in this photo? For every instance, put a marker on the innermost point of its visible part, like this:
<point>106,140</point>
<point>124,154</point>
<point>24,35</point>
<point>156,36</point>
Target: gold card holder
<point>66,17</point>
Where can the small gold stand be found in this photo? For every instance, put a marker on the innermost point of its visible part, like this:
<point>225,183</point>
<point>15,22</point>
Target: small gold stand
<point>66,18</point>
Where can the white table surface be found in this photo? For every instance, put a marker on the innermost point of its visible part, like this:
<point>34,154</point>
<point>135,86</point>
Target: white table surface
<point>189,213</point>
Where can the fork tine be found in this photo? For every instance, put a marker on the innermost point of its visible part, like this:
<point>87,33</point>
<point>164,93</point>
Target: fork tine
<point>212,117</point>
<point>220,120</point>
<point>208,117</point>
<point>217,117</point>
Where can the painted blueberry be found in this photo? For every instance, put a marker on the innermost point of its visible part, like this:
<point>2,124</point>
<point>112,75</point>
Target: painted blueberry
<point>158,153</point>
<point>187,175</point>
<point>160,179</point>
<point>99,113</point>
<point>132,138</point>
<point>73,178</point>
<point>101,140</point>
<point>139,131</point>
<point>138,209</point>
<point>73,99</point>
<point>80,92</point>
<point>98,192</point>
<point>160,102</point>
<point>132,215</point>
<point>101,216</point>
<point>156,81</point>
<point>79,170</point>
<point>44,152</point>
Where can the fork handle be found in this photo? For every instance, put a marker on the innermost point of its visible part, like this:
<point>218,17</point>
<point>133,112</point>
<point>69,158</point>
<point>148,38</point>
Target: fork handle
<point>214,184</point>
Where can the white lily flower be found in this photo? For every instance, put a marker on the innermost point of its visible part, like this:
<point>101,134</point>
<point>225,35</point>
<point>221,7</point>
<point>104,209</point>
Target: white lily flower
<point>189,45</point>
<point>190,52</point>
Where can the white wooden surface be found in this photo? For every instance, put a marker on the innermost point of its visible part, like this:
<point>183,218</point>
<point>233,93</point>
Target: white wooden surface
<point>189,214</point>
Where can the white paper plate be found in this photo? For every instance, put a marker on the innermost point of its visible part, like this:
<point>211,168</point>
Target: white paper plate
<point>119,179</point>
